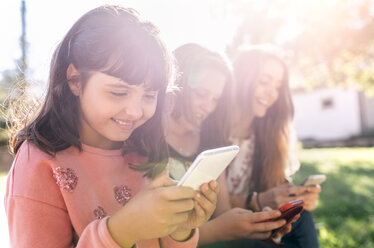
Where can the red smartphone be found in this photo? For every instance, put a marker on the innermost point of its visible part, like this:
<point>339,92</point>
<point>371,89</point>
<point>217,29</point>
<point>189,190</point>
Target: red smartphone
<point>289,211</point>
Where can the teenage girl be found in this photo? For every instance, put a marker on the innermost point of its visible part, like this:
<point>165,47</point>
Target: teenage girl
<point>262,127</point>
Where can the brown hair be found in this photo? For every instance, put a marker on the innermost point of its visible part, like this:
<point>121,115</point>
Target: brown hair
<point>112,40</point>
<point>271,132</point>
<point>192,59</point>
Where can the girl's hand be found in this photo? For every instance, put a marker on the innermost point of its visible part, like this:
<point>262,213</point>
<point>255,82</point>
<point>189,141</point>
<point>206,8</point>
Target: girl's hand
<point>280,195</point>
<point>284,230</point>
<point>154,212</point>
<point>204,206</point>
<point>240,223</point>
<point>310,197</point>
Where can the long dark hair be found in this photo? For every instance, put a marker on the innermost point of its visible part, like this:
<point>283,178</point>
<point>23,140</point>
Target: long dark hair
<point>112,40</point>
<point>271,132</point>
<point>192,59</point>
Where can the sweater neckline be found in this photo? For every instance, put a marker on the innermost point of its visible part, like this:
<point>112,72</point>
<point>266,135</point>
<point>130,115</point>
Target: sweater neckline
<point>96,150</point>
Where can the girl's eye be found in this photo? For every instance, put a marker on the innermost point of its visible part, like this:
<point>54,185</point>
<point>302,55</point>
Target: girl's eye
<point>199,94</point>
<point>278,86</point>
<point>151,96</point>
<point>119,94</point>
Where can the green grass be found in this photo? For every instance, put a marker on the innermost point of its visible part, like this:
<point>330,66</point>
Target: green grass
<point>345,214</point>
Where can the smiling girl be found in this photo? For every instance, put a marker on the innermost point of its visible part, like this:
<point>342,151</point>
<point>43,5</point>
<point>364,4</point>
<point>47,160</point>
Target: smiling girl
<point>72,183</point>
<point>263,113</point>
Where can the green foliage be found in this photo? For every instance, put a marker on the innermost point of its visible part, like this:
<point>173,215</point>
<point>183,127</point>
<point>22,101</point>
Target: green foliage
<point>345,214</point>
<point>329,42</point>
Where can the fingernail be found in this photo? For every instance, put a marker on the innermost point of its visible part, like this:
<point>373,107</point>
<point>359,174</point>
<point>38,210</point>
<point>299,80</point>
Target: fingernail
<point>205,187</point>
<point>198,195</point>
<point>214,184</point>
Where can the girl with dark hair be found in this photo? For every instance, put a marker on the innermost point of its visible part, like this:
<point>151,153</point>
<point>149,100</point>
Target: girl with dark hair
<point>263,113</point>
<point>75,180</point>
<point>200,120</point>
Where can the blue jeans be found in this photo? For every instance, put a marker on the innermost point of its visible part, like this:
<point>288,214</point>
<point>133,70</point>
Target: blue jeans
<point>302,235</point>
<point>240,243</point>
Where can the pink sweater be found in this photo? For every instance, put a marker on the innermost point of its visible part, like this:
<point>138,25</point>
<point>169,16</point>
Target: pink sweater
<point>65,201</point>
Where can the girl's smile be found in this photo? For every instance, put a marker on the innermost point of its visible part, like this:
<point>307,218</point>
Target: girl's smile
<point>125,125</point>
<point>111,109</point>
<point>267,89</point>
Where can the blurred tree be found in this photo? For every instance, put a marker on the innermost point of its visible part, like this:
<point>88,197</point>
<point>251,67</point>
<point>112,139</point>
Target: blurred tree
<point>329,42</point>
<point>23,43</point>
<point>13,82</point>
<point>9,77</point>
<point>261,23</point>
<point>6,84</point>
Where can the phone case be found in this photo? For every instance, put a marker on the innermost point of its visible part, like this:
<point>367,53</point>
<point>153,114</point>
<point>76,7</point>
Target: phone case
<point>208,165</point>
<point>289,211</point>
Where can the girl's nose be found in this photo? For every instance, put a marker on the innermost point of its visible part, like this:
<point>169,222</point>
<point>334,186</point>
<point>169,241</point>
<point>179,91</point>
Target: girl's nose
<point>273,93</point>
<point>208,105</point>
<point>134,110</point>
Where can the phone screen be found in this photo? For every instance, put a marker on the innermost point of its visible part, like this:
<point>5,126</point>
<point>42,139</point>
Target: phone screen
<point>208,165</point>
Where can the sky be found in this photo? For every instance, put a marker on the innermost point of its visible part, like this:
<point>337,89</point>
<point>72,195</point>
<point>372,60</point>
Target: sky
<point>202,21</point>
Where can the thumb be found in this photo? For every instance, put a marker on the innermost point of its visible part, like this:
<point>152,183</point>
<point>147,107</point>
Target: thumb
<point>163,180</point>
<point>266,209</point>
<point>296,190</point>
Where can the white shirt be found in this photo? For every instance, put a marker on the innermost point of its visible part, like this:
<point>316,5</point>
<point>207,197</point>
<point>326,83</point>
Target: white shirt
<point>239,172</point>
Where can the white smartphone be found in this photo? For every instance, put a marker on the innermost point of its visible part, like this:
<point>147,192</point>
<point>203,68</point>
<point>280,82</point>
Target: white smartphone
<point>208,165</point>
<point>314,180</point>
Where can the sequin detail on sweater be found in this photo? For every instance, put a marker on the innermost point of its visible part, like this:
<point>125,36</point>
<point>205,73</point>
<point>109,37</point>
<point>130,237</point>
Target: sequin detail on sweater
<point>122,194</point>
<point>99,213</point>
<point>66,179</point>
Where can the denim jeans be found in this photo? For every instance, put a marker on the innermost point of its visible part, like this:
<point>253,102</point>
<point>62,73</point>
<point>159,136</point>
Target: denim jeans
<point>302,235</point>
<point>240,243</point>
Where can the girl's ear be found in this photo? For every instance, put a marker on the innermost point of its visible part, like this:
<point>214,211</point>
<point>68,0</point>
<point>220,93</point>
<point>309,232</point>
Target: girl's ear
<point>73,76</point>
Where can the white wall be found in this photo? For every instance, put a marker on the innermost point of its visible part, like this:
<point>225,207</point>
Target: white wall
<point>339,120</point>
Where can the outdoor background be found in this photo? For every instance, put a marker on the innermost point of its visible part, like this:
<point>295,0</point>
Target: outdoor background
<point>328,45</point>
